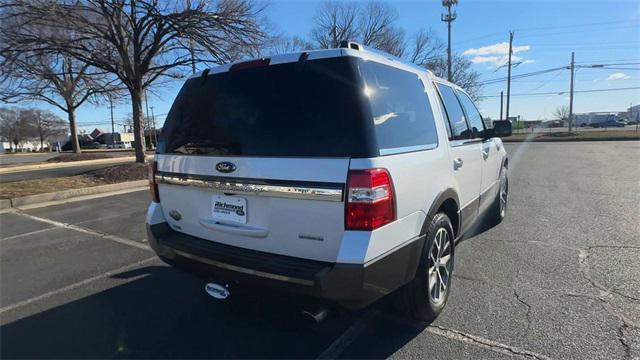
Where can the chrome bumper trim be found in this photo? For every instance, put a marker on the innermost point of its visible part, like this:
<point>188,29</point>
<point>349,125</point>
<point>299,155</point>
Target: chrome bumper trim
<point>239,187</point>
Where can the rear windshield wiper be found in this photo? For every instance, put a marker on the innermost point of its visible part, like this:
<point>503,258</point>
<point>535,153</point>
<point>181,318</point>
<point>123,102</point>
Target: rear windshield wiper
<point>207,148</point>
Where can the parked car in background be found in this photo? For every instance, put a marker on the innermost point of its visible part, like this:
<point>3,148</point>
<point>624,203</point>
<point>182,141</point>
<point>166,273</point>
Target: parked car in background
<point>341,174</point>
<point>91,145</point>
<point>609,123</point>
<point>122,145</point>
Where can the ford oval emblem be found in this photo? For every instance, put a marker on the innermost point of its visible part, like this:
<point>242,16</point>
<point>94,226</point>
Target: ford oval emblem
<point>225,167</point>
<point>217,291</point>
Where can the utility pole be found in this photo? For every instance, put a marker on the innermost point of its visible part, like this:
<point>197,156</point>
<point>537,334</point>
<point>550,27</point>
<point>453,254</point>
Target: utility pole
<point>153,124</point>
<point>509,72</point>
<point>571,92</point>
<point>449,17</point>
<point>113,129</point>
<point>501,102</point>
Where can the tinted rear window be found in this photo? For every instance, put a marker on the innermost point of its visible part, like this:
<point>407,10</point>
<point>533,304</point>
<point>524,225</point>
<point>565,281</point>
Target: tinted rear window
<point>401,111</point>
<point>316,109</point>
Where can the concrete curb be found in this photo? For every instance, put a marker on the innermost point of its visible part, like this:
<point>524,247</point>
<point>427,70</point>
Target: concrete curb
<point>507,140</point>
<point>23,168</point>
<point>67,194</point>
<point>5,204</point>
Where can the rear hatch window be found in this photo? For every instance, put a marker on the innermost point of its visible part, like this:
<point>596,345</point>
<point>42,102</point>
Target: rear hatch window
<point>315,108</point>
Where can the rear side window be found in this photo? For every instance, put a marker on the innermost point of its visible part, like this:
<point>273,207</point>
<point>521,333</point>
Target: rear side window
<point>473,115</point>
<point>457,120</point>
<point>400,108</point>
<point>315,108</point>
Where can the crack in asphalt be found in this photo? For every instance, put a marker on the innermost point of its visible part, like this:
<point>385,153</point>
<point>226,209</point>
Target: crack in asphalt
<point>528,314</point>
<point>621,337</point>
<point>486,343</point>
<point>605,293</point>
<point>583,268</point>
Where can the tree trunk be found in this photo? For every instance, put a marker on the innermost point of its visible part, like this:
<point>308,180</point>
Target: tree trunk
<point>75,144</point>
<point>138,136</point>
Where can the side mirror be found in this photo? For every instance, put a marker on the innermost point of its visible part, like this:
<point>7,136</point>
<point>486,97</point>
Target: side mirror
<point>502,128</point>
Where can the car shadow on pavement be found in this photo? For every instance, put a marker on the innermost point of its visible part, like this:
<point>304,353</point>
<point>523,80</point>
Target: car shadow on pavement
<point>162,312</point>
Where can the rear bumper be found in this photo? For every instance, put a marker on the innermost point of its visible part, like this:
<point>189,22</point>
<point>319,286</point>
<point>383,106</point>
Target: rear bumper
<point>350,285</point>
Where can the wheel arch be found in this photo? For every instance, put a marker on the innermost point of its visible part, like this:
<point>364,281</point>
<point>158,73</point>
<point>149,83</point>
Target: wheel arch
<point>446,201</point>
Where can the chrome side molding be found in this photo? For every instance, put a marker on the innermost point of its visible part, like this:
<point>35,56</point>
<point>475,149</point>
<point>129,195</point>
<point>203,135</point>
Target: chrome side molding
<point>241,186</point>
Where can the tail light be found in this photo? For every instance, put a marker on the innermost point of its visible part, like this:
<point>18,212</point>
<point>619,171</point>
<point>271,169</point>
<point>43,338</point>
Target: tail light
<point>153,186</point>
<point>370,201</point>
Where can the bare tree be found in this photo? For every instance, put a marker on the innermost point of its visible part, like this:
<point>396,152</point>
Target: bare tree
<point>31,75</point>
<point>284,45</point>
<point>425,47</point>
<point>562,112</point>
<point>142,41</point>
<point>14,127</point>
<point>334,22</point>
<point>371,24</point>
<point>462,73</point>
<point>44,124</point>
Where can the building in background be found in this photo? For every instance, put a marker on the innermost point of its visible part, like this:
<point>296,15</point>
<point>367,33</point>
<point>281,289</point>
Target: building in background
<point>633,114</point>
<point>594,118</point>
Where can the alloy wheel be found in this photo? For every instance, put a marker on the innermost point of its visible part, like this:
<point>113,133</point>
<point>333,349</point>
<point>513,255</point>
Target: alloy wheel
<point>440,266</point>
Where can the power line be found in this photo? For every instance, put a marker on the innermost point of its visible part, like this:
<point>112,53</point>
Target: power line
<point>597,61</point>
<point>565,92</point>
<point>574,25</point>
<point>519,76</point>
<point>464,41</point>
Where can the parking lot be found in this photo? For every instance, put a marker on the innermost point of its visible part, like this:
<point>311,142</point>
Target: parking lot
<point>559,278</point>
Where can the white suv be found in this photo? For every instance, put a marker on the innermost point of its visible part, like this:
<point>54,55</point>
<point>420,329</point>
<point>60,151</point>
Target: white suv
<point>344,174</point>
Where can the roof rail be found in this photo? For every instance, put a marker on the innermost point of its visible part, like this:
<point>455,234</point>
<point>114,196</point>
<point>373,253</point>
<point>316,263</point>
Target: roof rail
<point>357,46</point>
<point>346,44</point>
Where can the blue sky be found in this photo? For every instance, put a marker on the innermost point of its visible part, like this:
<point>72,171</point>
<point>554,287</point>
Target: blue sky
<point>546,31</point>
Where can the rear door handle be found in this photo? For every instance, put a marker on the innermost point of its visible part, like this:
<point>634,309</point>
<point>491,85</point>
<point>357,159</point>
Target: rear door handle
<point>457,163</point>
<point>485,154</point>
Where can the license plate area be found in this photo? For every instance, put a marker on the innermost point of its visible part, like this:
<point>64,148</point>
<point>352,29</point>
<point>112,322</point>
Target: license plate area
<point>229,209</point>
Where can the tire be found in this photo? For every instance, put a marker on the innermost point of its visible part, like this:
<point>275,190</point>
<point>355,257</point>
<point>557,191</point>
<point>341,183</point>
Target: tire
<point>499,208</point>
<point>425,296</point>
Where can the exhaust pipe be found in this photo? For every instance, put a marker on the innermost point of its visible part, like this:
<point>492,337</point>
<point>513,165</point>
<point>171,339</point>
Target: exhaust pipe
<point>315,316</point>
<point>217,291</point>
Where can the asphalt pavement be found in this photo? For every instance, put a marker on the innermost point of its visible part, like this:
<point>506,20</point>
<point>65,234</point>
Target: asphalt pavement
<point>25,158</point>
<point>559,278</point>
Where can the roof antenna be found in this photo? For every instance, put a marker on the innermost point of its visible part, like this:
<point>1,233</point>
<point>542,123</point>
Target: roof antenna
<point>204,76</point>
<point>301,60</point>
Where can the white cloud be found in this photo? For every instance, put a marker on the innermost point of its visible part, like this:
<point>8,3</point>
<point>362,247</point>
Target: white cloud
<point>497,49</point>
<point>618,76</point>
<point>485,59</point>
<point>496,54</point>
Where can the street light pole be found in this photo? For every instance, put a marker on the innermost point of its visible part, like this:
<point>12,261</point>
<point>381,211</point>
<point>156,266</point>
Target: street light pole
<point>501,102</point>
<point>113,129</point>
<point>449,17</point>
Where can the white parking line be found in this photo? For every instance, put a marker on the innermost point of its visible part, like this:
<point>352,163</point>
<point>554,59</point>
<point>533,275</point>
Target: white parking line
<point>339,345</point>
<point>75,285</point>
<point>86,231</point>
<point>28,233</point>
